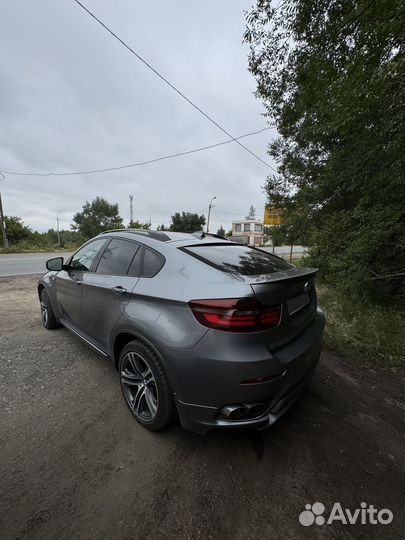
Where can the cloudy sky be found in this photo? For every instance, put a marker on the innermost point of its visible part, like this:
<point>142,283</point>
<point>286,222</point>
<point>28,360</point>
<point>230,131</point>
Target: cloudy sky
<point>73,98</point>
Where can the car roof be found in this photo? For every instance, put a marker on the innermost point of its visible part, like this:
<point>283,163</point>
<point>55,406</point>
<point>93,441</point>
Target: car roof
<point>167,237</point>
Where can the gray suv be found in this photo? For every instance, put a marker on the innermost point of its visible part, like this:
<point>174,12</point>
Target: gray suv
<point>226,335</point>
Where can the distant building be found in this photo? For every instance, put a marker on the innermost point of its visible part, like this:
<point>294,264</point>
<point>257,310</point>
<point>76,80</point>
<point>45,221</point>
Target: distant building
<point>248,232</point>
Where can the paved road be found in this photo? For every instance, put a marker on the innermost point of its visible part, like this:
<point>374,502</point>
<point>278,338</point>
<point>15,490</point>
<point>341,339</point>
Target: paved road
<point>284,251</point>
<point>75,464</point>
<point>20,264</point>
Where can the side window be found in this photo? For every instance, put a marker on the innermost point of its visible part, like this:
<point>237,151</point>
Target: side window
<point>246,227</point>
<point>238,227</point>
<point>117,257</point>
<point>136,264</point>
<point>152,263</point>
<point>84,258</point>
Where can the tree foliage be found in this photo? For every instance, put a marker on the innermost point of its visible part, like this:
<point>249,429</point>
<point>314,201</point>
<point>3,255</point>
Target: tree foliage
<point>252,212</point>
<point>96,217</point>
<point>330,75</point>
<point>187,222</point>
<point>16,230</point>
<point>138,225</point>
<point>277,234</point>
<point>21,237</point>
<point>221,231</point>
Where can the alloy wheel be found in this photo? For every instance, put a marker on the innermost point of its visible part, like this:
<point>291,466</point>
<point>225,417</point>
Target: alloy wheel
<point>44,308</point>
<point>139,385</point>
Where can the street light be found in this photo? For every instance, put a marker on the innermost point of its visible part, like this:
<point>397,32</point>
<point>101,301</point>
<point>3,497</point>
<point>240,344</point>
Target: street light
<point>2,220</point>
<point>209,213</point>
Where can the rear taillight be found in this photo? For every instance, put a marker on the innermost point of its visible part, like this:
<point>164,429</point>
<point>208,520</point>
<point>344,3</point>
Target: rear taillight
<point>236,314</point>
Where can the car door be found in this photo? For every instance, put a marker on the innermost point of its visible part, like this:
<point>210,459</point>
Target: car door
<point>106,292</point>
<point>69,281</point>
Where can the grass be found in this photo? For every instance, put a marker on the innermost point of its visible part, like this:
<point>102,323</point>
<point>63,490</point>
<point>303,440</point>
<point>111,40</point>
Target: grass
<point>370,334</point>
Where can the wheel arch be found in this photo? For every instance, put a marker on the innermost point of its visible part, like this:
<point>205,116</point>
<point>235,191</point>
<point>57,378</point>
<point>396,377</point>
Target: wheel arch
<point>123,338</point>
<point>40,288</point>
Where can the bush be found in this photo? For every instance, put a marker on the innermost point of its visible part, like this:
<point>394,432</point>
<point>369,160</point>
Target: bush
<point>363,331</point>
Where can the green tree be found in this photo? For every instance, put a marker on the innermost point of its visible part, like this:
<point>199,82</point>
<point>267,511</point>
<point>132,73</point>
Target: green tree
<point>16,230</point>
<point>221,231</point>
<point>252,212</point>
<point>277,234</point>
<point>330,76</point>
<point>96,217</point>
<point>187,222</point>
<point>138,225</point>
<point>71,237</point>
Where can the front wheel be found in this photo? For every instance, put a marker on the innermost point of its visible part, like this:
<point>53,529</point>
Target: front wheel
<point>47,315</point>
<point>145,386</point>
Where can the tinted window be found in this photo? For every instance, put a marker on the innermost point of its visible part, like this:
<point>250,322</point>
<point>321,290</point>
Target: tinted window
<point>136,264</point>
<point>241,260</point>
<point>84,258</point>
<point>117,257</point>
<point>152,262</point>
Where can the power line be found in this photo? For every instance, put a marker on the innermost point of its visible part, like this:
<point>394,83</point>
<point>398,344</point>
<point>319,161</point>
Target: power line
<point>138,164</point>
<point>156,72</point>
<point>357,15</point>
<point>280,5</point>
<point>347,22</point>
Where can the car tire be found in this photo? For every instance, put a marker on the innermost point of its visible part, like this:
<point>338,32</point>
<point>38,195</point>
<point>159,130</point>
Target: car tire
<point>47,315</point>
<point>145,386</point>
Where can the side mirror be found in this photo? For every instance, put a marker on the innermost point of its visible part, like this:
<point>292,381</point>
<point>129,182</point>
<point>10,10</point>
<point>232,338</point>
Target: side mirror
<point>55,264</point>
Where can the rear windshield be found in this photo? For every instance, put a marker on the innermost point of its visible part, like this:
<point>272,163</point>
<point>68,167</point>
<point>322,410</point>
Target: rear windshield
<point>242,260</point>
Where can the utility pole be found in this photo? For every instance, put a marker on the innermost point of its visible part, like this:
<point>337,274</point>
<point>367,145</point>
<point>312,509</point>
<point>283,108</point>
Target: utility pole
<point>57,226</point>
<point>209,214</point>
<point>131,209</point>
<point>291,239</point>
<point>2,220</point>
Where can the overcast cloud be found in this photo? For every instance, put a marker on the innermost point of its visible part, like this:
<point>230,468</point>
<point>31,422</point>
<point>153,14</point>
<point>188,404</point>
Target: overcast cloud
<point>73,98</point>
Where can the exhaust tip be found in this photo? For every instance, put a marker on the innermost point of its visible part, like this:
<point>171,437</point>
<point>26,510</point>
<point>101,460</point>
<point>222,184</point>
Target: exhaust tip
<point>234,412</point>
<point>256,409</point>
<point>243,411</point>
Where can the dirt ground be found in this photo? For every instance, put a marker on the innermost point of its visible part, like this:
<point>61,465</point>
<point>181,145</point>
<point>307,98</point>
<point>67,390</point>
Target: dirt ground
<point>74,463</point>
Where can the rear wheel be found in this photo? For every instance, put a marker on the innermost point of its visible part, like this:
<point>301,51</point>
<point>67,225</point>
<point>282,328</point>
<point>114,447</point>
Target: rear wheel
<point>47,315</point>
<point>145,386</point>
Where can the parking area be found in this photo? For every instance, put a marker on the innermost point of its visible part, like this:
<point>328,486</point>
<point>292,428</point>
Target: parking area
<point>75,464</point>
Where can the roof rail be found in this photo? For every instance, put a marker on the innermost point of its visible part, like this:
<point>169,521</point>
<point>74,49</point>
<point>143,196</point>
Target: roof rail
<point>156,235</point>
<point>114,230</point>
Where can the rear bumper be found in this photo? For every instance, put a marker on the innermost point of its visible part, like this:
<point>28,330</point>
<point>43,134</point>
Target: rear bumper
<point>202,419</point>
<point>208,377</point>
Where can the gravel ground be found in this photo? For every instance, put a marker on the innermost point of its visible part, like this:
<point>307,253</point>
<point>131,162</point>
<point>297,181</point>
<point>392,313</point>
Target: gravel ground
<point>74,463</point>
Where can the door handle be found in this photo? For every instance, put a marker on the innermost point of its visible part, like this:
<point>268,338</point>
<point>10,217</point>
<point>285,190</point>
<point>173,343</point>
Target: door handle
<point>119,290</point>
<point>78,282</point>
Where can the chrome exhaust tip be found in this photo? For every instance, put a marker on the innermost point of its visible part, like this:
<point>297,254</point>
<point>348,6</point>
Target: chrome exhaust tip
<point>243,411</point>
<point>234,412</point>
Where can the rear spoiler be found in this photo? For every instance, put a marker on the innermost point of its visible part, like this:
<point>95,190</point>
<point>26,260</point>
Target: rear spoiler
<point>202,234</point>
<point>292,274</point>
